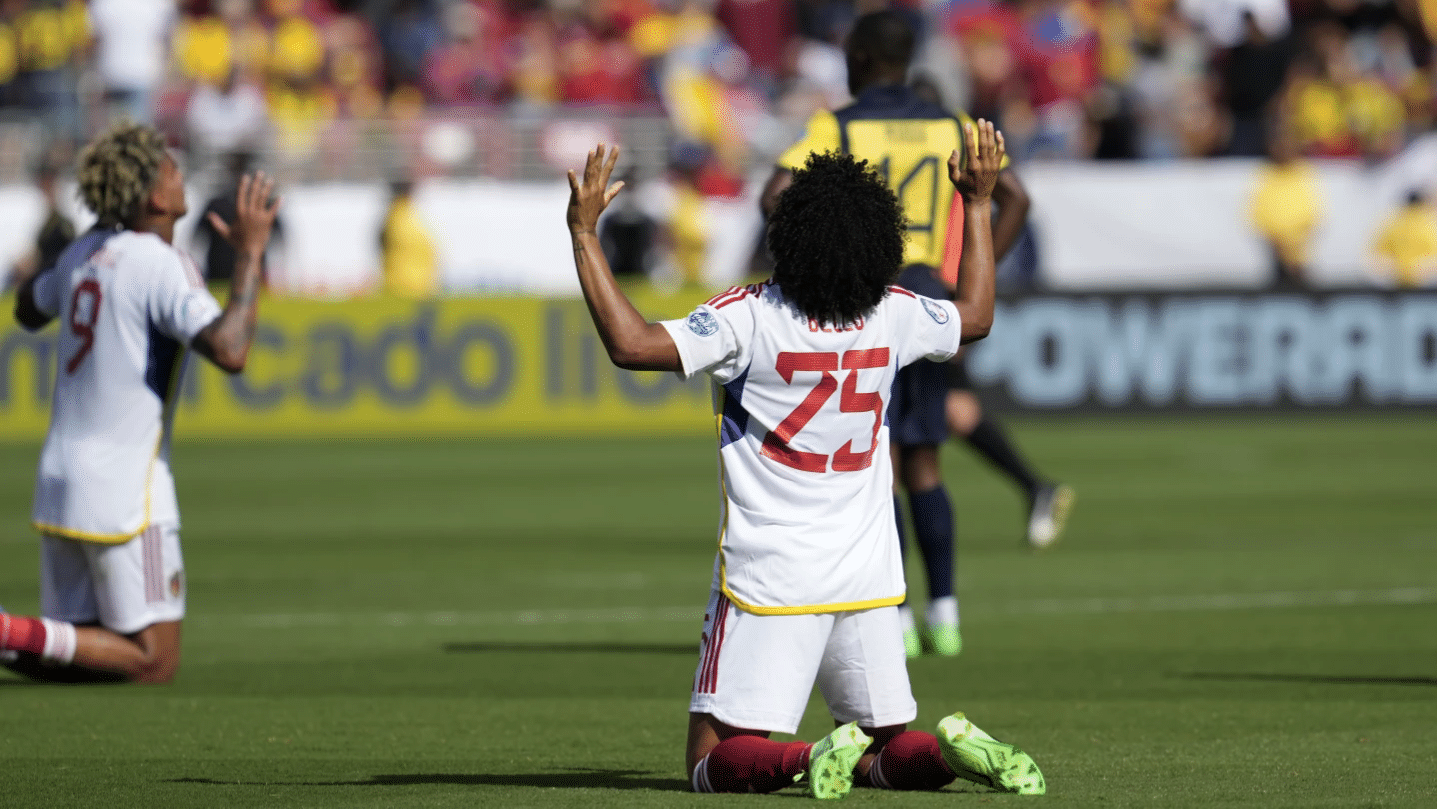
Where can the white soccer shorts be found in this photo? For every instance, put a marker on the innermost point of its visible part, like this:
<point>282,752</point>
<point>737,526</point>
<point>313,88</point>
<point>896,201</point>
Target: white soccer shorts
<point>125,587</point>
<point>758,671</point>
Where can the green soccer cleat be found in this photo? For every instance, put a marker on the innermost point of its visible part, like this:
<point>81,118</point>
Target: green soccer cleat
<point>832,759</point>
<point>912,645</point>
<point>982,759</point>
<point>944,639</point>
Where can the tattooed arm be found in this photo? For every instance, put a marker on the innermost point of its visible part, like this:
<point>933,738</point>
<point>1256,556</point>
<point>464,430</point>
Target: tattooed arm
<point>226,341</point>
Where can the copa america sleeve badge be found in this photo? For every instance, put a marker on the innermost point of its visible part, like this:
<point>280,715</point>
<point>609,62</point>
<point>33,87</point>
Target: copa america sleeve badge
<point>702,323</point>
<point>935,310</point>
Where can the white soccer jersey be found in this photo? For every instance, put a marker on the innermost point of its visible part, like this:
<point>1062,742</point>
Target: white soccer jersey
<point>807,522</point>
<point>128,305</point>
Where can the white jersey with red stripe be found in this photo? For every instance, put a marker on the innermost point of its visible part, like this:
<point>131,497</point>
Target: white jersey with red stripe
<point>808,522</point>
<point>128,305</point>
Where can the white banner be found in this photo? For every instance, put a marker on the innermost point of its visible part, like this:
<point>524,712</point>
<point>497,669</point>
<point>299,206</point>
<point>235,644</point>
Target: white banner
<point>1100,225</point>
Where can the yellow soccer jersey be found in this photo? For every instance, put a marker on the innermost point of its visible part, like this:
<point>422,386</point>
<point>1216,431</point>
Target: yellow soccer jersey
<point>908,140</point>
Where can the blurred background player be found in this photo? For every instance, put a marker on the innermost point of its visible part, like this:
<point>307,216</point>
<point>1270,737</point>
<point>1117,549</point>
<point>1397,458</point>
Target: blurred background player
<point>112,585</point>
<point>55,232</point>
<point>907,138</point>
<point>1406,244</point>
<point>809,572</point>
<point>1286,209</point>
<point>219,254</point>
<point>1049,502</point>
<point>411,263</point>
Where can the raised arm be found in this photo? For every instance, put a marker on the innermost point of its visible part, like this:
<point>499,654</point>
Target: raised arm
<point>226,340</point>
<point>975,180</point>
<point>1013,204</point>
<point>631,340</point>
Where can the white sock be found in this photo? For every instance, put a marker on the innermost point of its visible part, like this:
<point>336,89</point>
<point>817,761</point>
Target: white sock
<point>905,616</point>
<point>875,773</point>
<point>60,641</point>
<point>943,611</point>
<point>701,776</point>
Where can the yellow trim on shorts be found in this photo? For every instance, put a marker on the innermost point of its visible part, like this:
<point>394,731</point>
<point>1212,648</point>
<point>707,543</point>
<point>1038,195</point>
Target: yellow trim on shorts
<point>812,609</point>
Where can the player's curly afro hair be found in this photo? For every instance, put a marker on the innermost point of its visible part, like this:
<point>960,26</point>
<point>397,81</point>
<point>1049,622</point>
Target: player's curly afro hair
<point>836,235</point>
<point>117,171</point>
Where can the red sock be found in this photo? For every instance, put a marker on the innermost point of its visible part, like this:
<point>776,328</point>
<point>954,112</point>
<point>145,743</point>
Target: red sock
<point>22,634</point>
<point>751,764</point>
<point>911,760</point>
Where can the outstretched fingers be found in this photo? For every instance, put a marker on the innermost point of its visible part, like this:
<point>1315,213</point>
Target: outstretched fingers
<point>255,193</point>
<point>219,225</point>
<point>975,143</point>
<point>609,165</point>
<point>613,190</point>
<point>598,168</point>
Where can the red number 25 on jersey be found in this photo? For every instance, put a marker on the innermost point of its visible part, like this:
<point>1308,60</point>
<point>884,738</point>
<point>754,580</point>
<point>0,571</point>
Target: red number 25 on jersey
<point>776,443</point>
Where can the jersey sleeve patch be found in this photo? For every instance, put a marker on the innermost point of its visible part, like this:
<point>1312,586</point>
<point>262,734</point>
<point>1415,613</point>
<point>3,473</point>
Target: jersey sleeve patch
<point>935,311</point>
<point>713,341</point>
<point>702,323</point>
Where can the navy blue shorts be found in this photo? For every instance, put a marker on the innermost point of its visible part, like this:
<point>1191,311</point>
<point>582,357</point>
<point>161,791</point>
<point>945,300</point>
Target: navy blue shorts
<point>916,410</point>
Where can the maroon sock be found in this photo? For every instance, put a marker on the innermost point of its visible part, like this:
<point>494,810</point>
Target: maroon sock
<point>22,634</point>
<point>751,764</point>
<point>911,760</point>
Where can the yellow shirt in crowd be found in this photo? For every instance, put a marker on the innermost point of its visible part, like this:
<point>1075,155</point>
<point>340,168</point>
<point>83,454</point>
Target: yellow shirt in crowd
<point>1287,207</point>
<point>1408,240</point>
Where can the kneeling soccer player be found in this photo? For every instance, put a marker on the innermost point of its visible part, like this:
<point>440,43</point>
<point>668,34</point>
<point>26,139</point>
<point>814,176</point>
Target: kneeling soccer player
<point>808,575</point>
<point>112,586</point>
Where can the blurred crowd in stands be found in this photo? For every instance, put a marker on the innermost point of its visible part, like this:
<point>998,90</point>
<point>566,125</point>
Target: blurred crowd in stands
<point>730,81</point>
<point>1065,79</point>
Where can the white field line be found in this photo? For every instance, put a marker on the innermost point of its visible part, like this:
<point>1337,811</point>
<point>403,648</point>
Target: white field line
<point>693,614</point>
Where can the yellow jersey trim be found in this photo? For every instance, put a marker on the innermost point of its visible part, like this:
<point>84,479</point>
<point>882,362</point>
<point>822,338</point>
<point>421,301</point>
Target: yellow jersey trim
<point>814,609</point>
<point>120,538</point>
<point>94,538</point>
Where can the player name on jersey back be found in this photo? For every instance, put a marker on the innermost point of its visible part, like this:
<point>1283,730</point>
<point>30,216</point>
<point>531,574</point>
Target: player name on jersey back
<point>807,523</point>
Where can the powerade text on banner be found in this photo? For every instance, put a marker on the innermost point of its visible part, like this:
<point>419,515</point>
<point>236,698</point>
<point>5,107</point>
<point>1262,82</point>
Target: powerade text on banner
<point>1211,351</point>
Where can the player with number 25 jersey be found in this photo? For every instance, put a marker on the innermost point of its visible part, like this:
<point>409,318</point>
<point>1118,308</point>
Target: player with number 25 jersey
<point>808,574</point>
<point>803,436</point>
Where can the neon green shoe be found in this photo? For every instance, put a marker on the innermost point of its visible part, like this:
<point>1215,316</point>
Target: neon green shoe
<point>982,759</point>
<point>912,645</point>
<point>944,639</point>
<point>831,762</point>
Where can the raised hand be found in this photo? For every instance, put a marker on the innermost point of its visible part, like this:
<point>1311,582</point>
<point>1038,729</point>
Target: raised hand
<point>976,177</point>
<point>255,210</point>
<point>589,197</point>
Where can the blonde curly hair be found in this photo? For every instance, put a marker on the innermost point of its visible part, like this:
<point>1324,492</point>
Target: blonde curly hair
<point>117,171</point>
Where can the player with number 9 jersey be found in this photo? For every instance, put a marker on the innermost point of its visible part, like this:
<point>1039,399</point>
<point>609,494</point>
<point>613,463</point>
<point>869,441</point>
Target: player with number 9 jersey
<point>128,304</point>
<point>807,523</point>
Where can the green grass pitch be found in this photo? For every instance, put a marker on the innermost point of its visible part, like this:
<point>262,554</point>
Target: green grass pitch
<point>1244,613</point>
